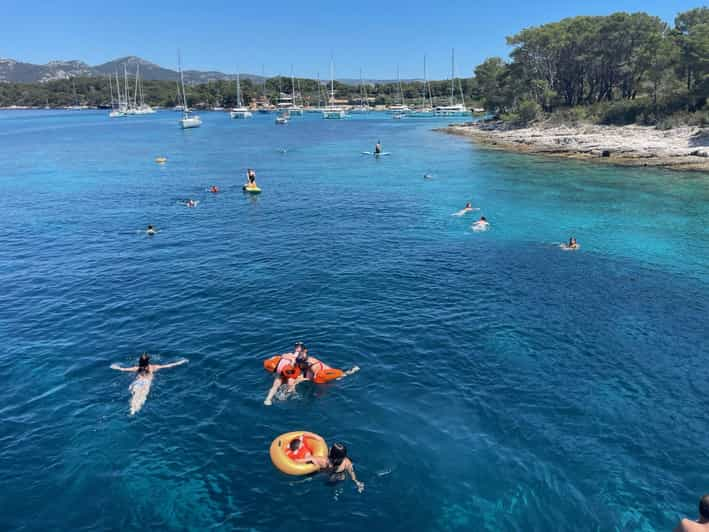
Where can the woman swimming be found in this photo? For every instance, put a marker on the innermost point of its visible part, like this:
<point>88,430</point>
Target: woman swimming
<point>571,245</point>
<point>481,225</point>
<point>140,387</point>
<point>336,465</point>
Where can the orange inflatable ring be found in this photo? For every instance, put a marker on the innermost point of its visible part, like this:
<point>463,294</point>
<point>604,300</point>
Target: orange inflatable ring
<point>327,375</point>
<point>284,464</point>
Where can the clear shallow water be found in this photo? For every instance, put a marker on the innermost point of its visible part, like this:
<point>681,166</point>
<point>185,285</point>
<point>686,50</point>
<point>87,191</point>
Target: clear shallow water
<point>505,384</point>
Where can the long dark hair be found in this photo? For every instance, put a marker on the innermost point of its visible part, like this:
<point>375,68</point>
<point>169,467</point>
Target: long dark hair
<point>337,454</point>
<point>144,363</point>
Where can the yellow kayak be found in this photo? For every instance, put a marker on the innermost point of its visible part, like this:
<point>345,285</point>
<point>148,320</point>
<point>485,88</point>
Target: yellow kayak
<point>251,188</point>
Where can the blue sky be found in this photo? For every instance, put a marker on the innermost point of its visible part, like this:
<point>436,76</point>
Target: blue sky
<point>221,35</point>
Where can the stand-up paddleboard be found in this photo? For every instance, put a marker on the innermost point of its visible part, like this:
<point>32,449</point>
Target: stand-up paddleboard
<point>253,189</point>
<point>376,154</point>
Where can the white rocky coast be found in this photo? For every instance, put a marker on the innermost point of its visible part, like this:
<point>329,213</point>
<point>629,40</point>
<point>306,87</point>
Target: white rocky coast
<point>684,148</point>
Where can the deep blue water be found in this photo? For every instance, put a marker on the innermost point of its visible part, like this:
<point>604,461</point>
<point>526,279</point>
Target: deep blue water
<point>505,384</point>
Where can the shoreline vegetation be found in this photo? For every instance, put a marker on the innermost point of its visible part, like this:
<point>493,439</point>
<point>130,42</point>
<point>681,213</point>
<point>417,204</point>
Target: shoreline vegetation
<point>624,89</point>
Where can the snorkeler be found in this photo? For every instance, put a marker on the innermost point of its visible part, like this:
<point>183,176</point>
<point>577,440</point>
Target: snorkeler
<point>701,524</point>
<point>140,388</point>
<point>378,147</point>
<point>336,464</point>
<point>214,189</point>
<point>294,368</point>
<point>150,230</point>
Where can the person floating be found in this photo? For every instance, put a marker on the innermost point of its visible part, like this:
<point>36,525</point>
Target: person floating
<point>140,388</point>
<point>214,189</point>
<point>701,524</point>
<point>293,368</point>
<point>378,148</point>
<point>150,231</point>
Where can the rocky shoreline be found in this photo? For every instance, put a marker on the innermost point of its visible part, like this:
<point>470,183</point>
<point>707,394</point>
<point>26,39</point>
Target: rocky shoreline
<point>685,148</point>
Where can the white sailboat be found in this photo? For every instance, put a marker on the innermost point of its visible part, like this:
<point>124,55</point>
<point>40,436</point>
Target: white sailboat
<point>425,110</point>
<point>294,108</point>
<point>239,111</point>
<point>115,102</point>
<point>188,120</point>
<point>363,106</point>
<point>332,111</point>
<point>453,108</point>
<point>399,109</point>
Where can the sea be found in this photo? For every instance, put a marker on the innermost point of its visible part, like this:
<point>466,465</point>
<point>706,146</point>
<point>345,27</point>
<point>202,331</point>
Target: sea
<point>505,383</point>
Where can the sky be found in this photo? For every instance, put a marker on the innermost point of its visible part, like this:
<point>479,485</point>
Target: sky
<point>246,35</point>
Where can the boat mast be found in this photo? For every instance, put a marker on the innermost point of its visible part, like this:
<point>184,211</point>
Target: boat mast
<point>125,75</point>
<point>319,92</point>
<point>332,82</point>
<point>182,82</point>
<point>292,86</point>
<point>238,89</point>
<point>137,77</point>
<point>452,75</point>
<point>263,74</point>
<point>401,93</point>
<point>110,88</point>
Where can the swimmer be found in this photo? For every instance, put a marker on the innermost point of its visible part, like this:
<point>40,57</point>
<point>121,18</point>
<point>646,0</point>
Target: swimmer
<point>297,367</point>
<point>336,465</point>
<point>378,147</point>
<point>701,524</point>
<point>481,225</point>
<point>427,176</point>
<point>571,245</point>
<point>214,189</point>
<point>140,388</point>
<point>150,231</point>
<point>191,203</point>
<point>468,208</point>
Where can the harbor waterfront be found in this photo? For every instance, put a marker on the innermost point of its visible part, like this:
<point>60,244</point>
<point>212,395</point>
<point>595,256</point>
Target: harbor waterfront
<point>505,384</point>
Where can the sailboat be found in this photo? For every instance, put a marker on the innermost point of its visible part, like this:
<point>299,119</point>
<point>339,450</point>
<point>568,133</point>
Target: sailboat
<point>239,111</point>
<point>399,109</point>
<point>265,105</point>
<point>140,108</point>
<point>363,106</point>
<point>332,111</point>
<point>116,110</point>
<point>453,108</point>
<point>187,121</point>
<point>294,109</point>
<point>425,110</point>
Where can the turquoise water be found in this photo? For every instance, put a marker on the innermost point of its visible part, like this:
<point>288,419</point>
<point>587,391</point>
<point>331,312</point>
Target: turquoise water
<point>505,384</point>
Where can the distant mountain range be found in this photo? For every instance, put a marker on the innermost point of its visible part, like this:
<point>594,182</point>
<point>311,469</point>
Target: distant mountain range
<point>12,71</point>
<point>19,72</point>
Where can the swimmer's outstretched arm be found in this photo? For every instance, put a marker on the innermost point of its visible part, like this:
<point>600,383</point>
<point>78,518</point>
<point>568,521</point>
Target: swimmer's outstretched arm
<point>155,367</point>
<point>360,485</point>
<point>274,388</point>
<point>119,368</point>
